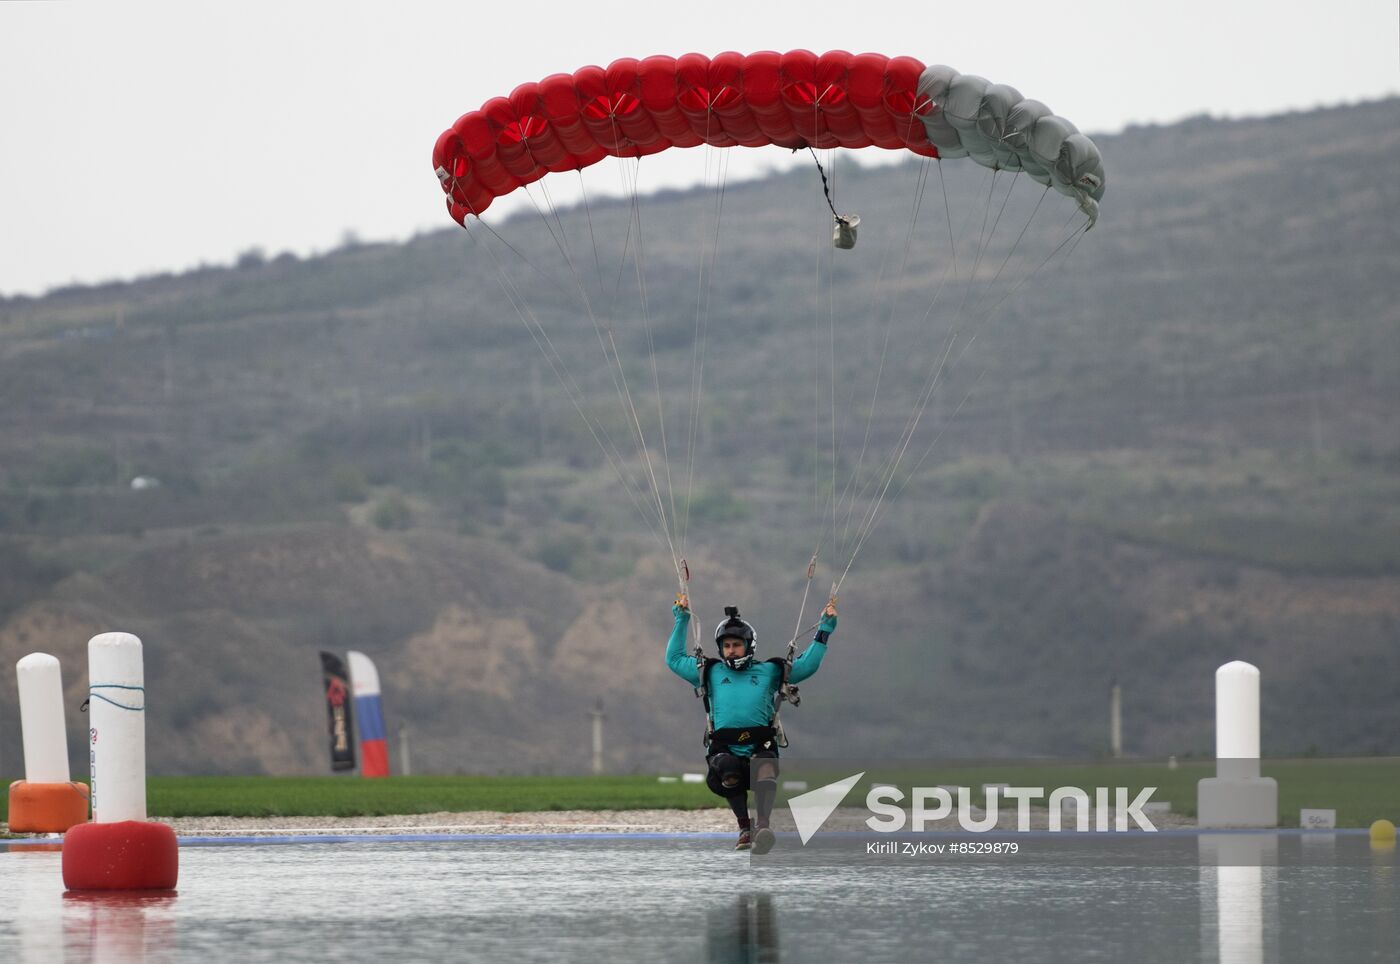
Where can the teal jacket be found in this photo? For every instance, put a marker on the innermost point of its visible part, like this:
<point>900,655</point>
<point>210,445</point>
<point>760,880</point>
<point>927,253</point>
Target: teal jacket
<point>741,697</point>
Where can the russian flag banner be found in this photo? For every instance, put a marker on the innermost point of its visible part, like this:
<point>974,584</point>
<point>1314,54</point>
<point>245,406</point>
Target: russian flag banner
<point>369,716</point>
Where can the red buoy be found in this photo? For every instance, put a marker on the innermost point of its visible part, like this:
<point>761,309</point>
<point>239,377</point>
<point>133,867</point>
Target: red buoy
<point>127,855</point>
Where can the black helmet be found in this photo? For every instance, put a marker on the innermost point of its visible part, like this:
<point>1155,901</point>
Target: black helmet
<point>734,626</point>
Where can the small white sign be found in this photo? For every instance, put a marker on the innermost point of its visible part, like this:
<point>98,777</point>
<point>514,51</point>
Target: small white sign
<point>795,785</point>
<point>665,779</point>
<point>692,778</point>
<point>1317,819</point>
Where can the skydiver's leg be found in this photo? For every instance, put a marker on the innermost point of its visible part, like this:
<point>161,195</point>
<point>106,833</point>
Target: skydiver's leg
<point>765,784</point>
<point>728,778</point>
<point>739,803</point>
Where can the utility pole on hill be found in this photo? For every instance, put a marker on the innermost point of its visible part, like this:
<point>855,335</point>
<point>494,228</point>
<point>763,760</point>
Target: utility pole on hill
<point>1115,720</point>
<point>598,718</point>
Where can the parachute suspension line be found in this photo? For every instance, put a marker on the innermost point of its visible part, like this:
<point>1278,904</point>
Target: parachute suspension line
<point>888,474</point>
<point>556,236</point>
<point>655,486</point>
<point>920,184</point>
<point>627,237</point>
<point>614,360</point>
<point>911,420</point>
<point>890,464</point>
<point>1072,241</point>
<point>1015,177</point>
<point>982,236</point>
<point>948,213</point>
<point>667,522</point>
<point>592,238</point>
<point>550,280</point>
<point>831,329</point>
<point>723,176</point>
<point>571,388</point>
<point>871,516</point>
<point>639,258</point>
<point>1015,244</point>
<point>891,468</point>
<point>704,287</point>
<point>691,413</point>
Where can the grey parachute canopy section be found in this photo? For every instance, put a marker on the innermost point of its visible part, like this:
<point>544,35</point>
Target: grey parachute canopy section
<point>998,128</point>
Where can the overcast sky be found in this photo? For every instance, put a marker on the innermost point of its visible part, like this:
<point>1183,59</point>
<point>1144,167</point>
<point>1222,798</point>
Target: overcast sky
<point>145,137</point>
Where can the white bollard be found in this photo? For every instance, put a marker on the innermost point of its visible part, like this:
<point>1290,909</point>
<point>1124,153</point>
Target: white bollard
<point>1237,796</point>
<point>41,719</point>
<point>117,739</point>
<point>1237,717</point>
<point>120,849</point>
<point>45,801</point>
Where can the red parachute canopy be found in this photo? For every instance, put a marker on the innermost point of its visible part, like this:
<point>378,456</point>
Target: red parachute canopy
<point>633,108</point>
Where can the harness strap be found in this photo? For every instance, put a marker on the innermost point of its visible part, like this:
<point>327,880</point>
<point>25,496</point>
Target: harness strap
<point>732,736</point>
<point>786,693</point>
<point>703,664</point>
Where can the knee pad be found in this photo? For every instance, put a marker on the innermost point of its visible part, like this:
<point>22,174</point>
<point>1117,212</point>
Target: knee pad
<point>728,776</point>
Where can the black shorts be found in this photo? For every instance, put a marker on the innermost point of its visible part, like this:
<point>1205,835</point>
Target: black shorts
<point>728,773</point>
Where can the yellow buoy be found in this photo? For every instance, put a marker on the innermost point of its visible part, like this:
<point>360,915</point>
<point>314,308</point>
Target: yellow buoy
<point>1383,832</point>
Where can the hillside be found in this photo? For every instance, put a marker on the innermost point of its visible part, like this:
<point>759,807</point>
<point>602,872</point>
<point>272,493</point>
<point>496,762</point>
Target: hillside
<point>1173,442</point>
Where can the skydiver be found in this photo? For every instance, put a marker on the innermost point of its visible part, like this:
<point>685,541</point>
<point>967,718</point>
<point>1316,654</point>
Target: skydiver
<point>740,696</point>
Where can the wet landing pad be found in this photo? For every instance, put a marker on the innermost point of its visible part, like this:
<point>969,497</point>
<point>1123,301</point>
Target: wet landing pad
<point>691,898</point>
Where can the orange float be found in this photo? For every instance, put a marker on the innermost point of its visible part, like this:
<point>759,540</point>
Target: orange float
<point>47,807</point>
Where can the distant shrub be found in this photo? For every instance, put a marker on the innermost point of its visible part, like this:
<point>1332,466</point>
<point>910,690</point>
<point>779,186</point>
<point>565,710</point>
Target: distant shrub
<point>348,484</point>
<point>392,512</point>
<point>562,552</point>
<point>85,466</point>
<point>718,504</point>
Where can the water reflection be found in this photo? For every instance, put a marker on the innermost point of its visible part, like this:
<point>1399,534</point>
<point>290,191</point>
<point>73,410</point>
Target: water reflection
<point>742,931</point>
<point>119,928</point>
<point>1239,899</point>
<point>1252,899</point>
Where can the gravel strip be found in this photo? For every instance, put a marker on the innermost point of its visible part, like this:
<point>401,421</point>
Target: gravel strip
<point>558,821</point>
<point>469,822</point>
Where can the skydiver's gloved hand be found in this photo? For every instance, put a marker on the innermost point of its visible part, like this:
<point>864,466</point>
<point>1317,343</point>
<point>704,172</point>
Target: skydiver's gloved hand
<point>828,623</point>
<point>681,607</point>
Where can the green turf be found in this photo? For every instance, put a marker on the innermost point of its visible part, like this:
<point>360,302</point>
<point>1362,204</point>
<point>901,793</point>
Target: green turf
<point>350,796</point>
<point>1359,790</point>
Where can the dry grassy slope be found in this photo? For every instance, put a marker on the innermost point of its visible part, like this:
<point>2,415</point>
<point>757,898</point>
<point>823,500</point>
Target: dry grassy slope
<point>1163,623</point>
<point>494,661</point>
